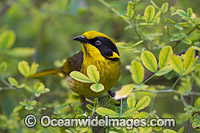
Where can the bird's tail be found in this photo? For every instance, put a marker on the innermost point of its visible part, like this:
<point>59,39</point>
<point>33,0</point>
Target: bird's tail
<point>54,71</point>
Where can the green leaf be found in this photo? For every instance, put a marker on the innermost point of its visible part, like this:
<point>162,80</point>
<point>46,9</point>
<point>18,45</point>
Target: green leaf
<point>98,87</point>
<point>104,111</point>
<point>38,86</point>
<point>13,81</point>
<point>28,104</point>
<point>137,43</point>
<point>137,72</point>
<point>29,89</point>
<point>124,91</point>
<point>149,24</point>
<point>95,102</point>
<point>143,102</point>
<point>39,89</point>
<point>131,101</point>
<point>130,112</point>
<point>17,108</point>
<point>3,67</point>
<point>184,24</point>
<point>181,130</point>
<point>171,21</point>
<point>154,4</point>
<point>130,9</point>
<point>189,12</point>
<point>187,41</point>
<point>7,39</point>
<point>164,7</point>
<point>141,86</point>
<point>175,38</point>
<point>24,68</point>
<point>141,115</point>
<point>149,61</point>
<point>80,77</point>
<point>197,102</point>
<point>182,13</point>
<point>124,17</point>
<point>34,67</point>
<point>89,107</point>
<point>172,9</point>
<point>92,73</point>
<point>195,48</point>
<point>178,27</point>
<point>20,52</point>
<point>157,17</point>
<point>149,13</point>
<point>21,86</point>
<point>164,56</point>
<point>163,71</point>
<point>169,131</point>
<point>176,64</point>
<point>196,122</point>
<point>189,58</point>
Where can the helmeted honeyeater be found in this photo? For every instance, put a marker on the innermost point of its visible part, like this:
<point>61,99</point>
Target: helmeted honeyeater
<point>98,50</point>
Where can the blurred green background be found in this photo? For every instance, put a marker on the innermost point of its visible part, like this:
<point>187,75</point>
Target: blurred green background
<point>46,28</point>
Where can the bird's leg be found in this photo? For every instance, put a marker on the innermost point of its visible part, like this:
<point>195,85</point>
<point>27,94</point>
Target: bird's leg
<point>83,103</point>
<point>111,93</point>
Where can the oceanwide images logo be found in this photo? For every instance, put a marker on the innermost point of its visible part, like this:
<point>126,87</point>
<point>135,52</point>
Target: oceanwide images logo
<point>46,121</point>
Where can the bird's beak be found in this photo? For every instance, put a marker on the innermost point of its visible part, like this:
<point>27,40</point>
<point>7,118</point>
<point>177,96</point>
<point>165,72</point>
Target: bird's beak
<point>114,55</point>
<point>81,39</point>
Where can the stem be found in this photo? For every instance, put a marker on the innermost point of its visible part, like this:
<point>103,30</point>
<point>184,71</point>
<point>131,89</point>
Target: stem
<point>175,83</point>
<point>121,107</point>
<point>188,127</point>
<point>183,100</point>
<point>149,78</point>
<point>136,31</point>
<point>6,83</point>
<point>143,29</point>
<point>139,35</point>
<point>11,87</point>
<point>153,101</point>
<point>191,102</point>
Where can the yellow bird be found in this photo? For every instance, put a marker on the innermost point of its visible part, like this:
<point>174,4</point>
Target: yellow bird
<point>98,50</point>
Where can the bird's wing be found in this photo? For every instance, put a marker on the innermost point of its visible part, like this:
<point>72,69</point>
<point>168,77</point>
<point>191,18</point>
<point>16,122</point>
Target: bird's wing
<point>73,63</point>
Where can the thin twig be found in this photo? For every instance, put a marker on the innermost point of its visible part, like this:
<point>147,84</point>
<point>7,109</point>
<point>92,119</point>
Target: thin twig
<point>191,102</point>
<point>121,107</point>
<point>149,78</point>
<point>176,82</point>
<point>12,87</point>
<point>177,42</point>
<point>153,101</point>
<point>127,21</point>
<point>183,100</point>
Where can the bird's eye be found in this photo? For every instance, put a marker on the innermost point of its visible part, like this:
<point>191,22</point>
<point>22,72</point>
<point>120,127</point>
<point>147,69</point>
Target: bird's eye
<point>98,42</point>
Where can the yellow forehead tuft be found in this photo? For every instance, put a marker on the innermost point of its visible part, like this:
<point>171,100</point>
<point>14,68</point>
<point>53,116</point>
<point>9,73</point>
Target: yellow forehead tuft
<point>93,34</point>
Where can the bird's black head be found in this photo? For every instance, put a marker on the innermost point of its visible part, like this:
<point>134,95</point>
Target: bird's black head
<point>100,41</point>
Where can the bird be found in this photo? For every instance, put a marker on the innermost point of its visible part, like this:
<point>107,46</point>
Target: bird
<point>97,49</point>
